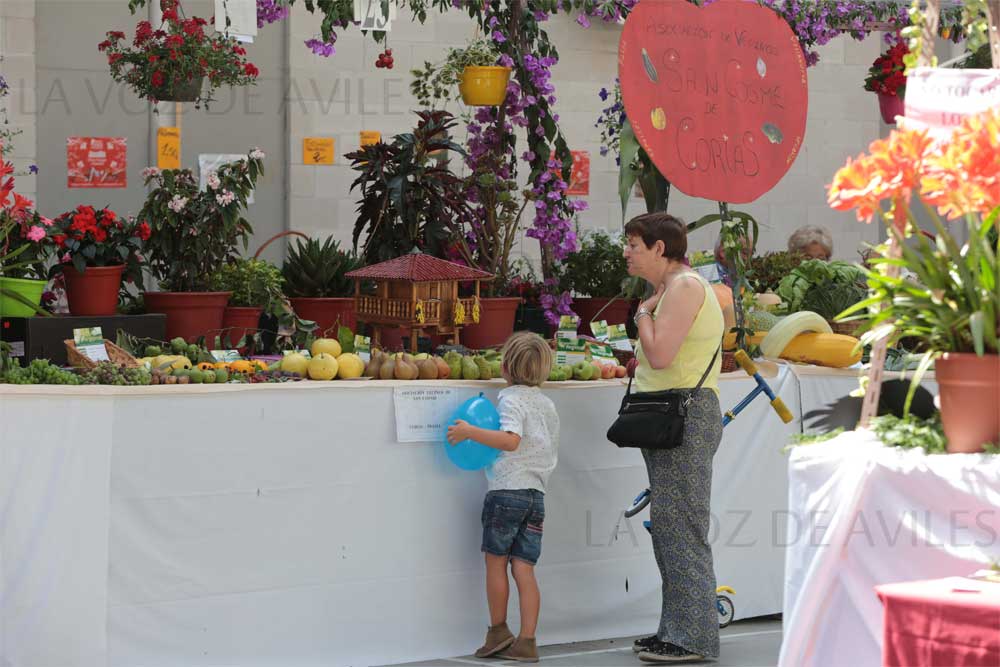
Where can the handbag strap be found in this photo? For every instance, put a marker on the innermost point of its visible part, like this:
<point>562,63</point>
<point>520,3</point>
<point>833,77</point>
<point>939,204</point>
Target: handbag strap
<point>704,376</point>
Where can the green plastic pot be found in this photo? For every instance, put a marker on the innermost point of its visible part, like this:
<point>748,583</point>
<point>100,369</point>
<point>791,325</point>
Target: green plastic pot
<point>29,289</point>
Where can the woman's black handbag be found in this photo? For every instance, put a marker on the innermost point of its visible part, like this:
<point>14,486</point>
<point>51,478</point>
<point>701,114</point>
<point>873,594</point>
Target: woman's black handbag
<point>654,419</point>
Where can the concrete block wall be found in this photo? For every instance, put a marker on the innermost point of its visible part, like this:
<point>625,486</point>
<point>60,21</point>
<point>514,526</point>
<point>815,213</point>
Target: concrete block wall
<point>345,93</point>
<point>17,48</point>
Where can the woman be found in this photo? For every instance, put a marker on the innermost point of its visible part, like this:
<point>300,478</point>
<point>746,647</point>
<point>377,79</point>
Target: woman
<point>680,331</point>
<point>812,241</point>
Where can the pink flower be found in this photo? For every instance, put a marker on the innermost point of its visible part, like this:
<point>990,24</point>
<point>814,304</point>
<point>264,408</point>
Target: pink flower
<point>36,233</point>
<point>66,259</point>
<point>46,221</point>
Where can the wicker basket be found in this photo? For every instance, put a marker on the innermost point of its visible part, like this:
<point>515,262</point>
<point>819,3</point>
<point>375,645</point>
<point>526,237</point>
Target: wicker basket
<point>117,355</point>
<point>729,364</point>
<point>846,328</point>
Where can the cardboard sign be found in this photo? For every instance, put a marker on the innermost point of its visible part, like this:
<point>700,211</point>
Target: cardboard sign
<point>96,162</point>
<point>369,137</point>
<point>579,176</point>
<point>618,338</point>
<point>371,15</point>
<point>317,150</point>
<point>422,413</point>
<point>168,148</point>
<point>226,356</point>
<point>939,99</point>
<point>716,95</point>
<point>600,330</point>
<point>242,18</point>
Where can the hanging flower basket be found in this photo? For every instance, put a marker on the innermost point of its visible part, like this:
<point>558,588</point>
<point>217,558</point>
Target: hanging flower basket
<point>484,86</point>
<point>890,106</point>
<point>181,91</point>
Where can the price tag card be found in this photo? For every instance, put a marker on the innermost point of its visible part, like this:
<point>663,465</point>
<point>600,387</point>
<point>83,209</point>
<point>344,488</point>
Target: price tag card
<point>422,413</point>
<point>317,150</point>
<point>600,330</point>
<point>363,347</point>
<point>369,137</point>
<point>567,327</point>
<point>90,343</point>
<point>168,148</point>
<point>603,353</point>
<point>618,338</point>
<point>226,356</point>
<point>570,350</point>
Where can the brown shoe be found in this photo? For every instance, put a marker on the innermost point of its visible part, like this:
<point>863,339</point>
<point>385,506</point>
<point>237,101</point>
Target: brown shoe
<point>522,650</point>
<point>498,637</point>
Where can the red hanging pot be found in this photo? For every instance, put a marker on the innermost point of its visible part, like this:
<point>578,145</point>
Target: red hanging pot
<point>890,106</point>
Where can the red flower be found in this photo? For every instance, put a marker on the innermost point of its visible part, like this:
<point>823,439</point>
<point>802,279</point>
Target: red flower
<point>170,14</point>
<point>157,79</point>
<point>60,239</point>
<point>103,46</point>
<point>174,55</point>
<point>99,235</point>
<point>116,34</point>
<point>239,50</point>
<point>114,57</point>
<point>153,58</point>
<point>251,70</point>
<point>144,231</point>
<point>175,41</point>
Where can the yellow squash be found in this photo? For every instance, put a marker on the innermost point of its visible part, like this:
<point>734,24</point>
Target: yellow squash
<point>823,349</point>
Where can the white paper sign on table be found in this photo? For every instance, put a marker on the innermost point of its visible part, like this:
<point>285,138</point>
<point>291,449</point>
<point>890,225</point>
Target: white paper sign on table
<point>422,412</point>
<point>939,99</point>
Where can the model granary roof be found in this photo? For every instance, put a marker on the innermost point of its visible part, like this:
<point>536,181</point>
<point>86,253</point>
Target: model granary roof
<point>419,268</point>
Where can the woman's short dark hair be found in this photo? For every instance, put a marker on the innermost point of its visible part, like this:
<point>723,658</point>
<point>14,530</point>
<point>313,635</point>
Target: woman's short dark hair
<point>653,227</point>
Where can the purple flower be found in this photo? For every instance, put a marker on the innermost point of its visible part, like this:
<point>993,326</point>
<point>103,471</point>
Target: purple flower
<point>603,94</point>
<point>321,48</point>
<point>507,61</point>
<point>582,20</point>
<point>498,37</point>
<point>33,169</point>
<point>269,11</point>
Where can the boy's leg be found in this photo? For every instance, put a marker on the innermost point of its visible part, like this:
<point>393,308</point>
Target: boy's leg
<point>528,595</point>
<point>497,587</point>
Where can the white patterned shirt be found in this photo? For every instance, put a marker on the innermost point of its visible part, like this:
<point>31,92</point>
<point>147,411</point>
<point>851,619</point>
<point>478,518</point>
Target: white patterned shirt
<point>529,413</point>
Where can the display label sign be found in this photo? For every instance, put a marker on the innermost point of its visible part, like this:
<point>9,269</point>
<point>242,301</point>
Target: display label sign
<point>317,150</point>
<point>168,148</point>
<point>716,95</point>
<point>90,343</point>
<point>96,162</point>
<point>369,137</point>
<point>939,99</point>
<point>422,413</point>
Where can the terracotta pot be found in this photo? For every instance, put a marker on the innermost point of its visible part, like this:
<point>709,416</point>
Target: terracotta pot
<point>496,323</point>
<point>190,315</point>
<point>394,339</point>
<point>95,291</point>
<point>326,312</point>
<point>587,309</point>
<point>969,391</point>
<point>239,321</point>
<point>890,106</point>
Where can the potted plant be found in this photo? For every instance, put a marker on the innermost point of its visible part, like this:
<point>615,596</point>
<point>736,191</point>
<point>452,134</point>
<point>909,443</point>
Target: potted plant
<point>469,73</point>
<point>22,232</point>
<point>170,63</point>
<point>254,285</point>
<point>887,79</point>
<point>596,274</point>
<point>950,302</point>
<point>826,288</point>
<point>194,233</point>
<point>315,283</point>
<point>95,249</point>
<point>765,272</point>
<point>407,200</point>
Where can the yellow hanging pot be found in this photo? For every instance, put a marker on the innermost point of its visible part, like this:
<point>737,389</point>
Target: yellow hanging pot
<point>484,86</point>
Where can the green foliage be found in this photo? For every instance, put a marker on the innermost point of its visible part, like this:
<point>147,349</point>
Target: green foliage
<point>911,432</point>
<point>829,286</point>
<point>194,233</point>
<point>765,272</point>
<point>436,85</point>
<point>408,200</point>
<point>598,268</point>
<point>253,282</point>
<point>316,270</point>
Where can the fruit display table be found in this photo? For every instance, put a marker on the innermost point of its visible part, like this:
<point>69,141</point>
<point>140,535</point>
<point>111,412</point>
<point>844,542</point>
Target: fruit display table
<point>868,515</point>
<point>285,525</point>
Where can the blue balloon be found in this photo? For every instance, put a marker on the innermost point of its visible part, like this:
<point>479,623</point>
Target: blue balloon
<point>469,454</point>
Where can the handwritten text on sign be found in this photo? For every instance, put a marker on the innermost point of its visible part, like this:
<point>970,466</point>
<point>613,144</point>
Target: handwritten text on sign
<point>422,413</point>
<point>317,150</point>
<point>168,148</point>
<point>940,99</point>
<point>717,96</point>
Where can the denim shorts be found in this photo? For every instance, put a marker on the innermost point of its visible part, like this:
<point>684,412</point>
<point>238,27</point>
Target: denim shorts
<point>512,524</point>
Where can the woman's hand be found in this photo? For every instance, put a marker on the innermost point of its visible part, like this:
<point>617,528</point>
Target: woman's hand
<point>652,302</point>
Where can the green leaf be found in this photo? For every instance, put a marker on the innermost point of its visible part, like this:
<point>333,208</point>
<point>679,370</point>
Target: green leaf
<point>346,338</point>
<point>628,171</point>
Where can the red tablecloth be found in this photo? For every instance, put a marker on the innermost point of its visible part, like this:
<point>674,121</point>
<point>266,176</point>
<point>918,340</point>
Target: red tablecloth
<point>941,623</point>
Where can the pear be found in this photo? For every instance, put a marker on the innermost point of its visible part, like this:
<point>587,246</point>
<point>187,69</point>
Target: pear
<point>406,371</point>
<point>444,370</point>
<point>388,370</point>
<point>408,358</point>
<point>428,369</point>
<point>374,364</point>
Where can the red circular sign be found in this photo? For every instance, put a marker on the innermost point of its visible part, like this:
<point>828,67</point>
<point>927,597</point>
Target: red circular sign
<point>717,96</point>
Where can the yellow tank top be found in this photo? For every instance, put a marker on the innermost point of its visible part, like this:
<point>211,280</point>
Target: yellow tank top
<point>695,352</point>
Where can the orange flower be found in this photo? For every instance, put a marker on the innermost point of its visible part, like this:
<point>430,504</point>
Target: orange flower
<point>964,177</point>
<point>890,171</point>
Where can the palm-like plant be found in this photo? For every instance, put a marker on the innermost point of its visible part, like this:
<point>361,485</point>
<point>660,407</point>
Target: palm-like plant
<point>316,270</point>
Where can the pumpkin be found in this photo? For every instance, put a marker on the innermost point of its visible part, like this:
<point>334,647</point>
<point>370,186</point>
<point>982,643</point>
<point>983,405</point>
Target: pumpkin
<point>724,295</point>
<point>206,366</point>
<point>241,366</point>
<point>221,365</point>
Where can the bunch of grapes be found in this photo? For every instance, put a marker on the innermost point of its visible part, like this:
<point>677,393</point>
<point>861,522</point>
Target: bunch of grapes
<point>39,371</point>
<point>106,372</point>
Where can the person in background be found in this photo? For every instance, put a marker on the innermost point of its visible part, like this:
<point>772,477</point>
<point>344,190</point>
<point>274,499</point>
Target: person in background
<point>812,241</point>
<point>722,271</point>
